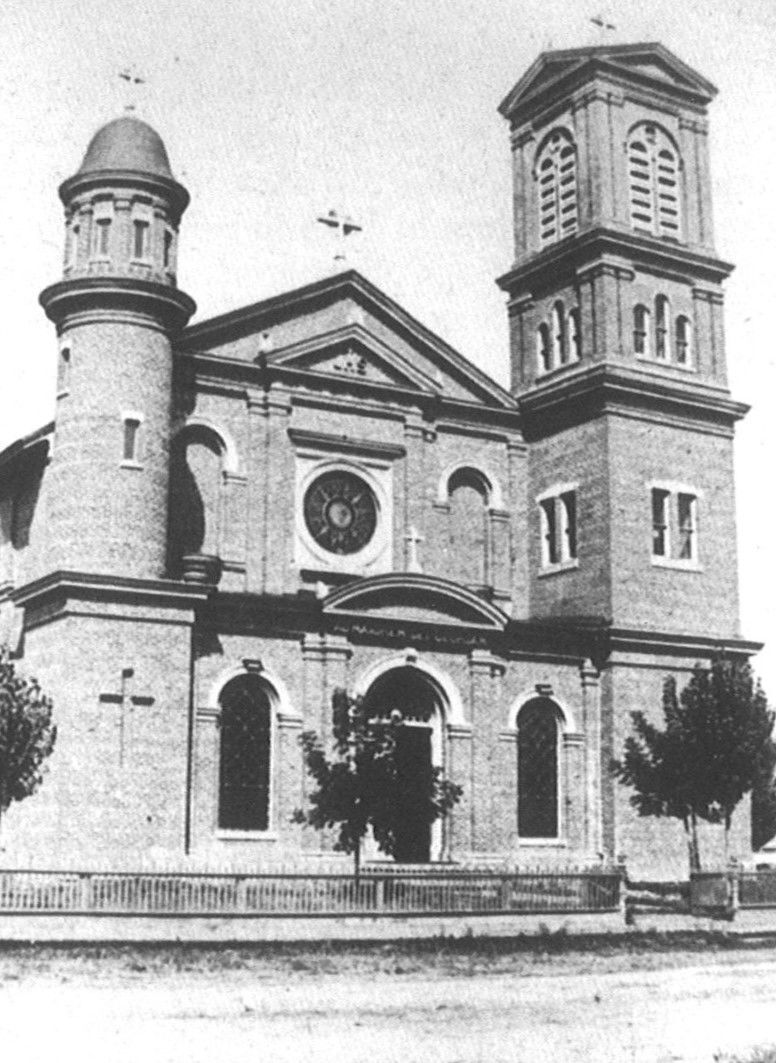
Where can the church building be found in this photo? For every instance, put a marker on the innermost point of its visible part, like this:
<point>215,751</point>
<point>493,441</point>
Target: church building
<point>228,520</point>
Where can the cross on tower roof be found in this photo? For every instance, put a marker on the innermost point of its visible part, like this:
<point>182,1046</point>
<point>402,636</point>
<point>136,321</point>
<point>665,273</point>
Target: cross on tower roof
<point>343,226</point>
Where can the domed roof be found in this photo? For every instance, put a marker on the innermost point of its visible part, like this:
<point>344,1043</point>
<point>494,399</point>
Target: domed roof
<point>126,143</point>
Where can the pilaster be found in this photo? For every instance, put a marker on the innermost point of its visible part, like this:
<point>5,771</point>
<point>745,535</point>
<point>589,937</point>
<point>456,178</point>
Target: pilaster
<point>591,730</point>
<point>486,674</point>
<point>271,496</point>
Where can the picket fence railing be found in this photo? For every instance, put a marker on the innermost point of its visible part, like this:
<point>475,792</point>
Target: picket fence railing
<point>395,893</point>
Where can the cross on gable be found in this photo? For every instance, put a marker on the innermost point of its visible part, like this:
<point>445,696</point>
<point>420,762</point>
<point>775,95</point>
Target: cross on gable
<point>126,700</point>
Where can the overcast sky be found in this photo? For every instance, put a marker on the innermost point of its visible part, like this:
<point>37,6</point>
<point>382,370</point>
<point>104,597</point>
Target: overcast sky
<point>274,111</point>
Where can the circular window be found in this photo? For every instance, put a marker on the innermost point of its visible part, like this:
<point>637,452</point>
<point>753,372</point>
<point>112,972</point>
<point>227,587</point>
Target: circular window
<point>340,512</point>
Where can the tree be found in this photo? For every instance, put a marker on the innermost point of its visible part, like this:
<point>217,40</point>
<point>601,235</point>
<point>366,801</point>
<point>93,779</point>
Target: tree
<point>709,755</point>
<point>358,787</point>
<point>27,735</point>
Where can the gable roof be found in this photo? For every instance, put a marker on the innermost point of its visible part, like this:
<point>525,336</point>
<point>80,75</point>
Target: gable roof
<point>650,64</point>
<point>418,360</point>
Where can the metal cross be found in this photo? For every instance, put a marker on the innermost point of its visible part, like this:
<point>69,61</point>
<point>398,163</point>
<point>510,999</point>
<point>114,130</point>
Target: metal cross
<point>132,78</point>
<point>343,226</point>
<point>126,700</point>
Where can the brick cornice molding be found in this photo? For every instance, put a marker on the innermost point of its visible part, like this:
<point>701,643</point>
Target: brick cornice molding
<point>343,444</point>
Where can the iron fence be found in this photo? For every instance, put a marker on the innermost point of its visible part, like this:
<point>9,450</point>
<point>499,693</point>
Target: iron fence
<point>394,893</point>
<point>757,889</point>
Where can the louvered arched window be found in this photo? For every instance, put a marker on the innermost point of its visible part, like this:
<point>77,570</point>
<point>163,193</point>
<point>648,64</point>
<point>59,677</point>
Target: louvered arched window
<point>653,180</point>
<point>556,173</point>
<point>575,339</point>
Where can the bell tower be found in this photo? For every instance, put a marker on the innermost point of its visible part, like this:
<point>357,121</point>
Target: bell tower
<point>617,342</point>
<point>115,310</point>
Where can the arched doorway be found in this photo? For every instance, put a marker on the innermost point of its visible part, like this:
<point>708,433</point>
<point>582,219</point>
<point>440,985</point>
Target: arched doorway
<point>410,692</point>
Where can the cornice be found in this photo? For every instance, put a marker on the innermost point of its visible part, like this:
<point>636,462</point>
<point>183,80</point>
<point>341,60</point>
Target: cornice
<point>601,388</point>
<point>678,644</point>
<point>343,444</point>
<point>594,246</point>
<point>117,294</point>
<point>122,589</point>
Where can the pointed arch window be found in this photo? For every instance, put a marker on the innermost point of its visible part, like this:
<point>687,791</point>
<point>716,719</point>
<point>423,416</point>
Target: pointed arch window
<point>537,770</point>
<point>556,172</point>
<point>653,181</point>
<point>245,755</point>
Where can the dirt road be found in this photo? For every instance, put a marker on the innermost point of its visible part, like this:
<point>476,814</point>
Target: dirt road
<point>655,1012</point>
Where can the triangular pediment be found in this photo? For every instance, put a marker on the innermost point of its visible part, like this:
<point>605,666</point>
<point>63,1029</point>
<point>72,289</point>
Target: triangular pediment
<point>352,352</point>
<point>345,329</point>
<point>413,598</point>
<point>645,63</point>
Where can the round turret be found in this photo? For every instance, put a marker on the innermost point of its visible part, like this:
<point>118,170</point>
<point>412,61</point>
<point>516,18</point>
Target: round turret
<point>115,310</point>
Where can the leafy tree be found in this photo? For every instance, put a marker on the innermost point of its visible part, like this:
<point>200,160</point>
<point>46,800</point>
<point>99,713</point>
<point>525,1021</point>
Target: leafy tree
<point>709,754</point>
<point>358,787</point>
<point>764,799</point>
<point>27,735</point>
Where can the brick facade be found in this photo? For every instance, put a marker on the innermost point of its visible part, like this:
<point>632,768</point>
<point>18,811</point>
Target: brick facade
<point>138,585</point>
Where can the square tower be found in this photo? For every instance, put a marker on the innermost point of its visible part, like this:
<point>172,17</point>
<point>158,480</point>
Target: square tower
<point>617,343</point>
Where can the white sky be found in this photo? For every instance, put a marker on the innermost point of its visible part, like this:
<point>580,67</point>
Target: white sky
<point>276,110</point>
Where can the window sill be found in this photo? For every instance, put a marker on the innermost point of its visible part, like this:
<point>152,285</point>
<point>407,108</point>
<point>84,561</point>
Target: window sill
<point>246,835</point>
<point>543,843</point>
<point>666,363</point>
<point>131,465</point>
<point>675,563</point>
<point>558,567</point>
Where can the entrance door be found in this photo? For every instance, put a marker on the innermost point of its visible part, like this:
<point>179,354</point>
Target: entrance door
<point>413,761</point>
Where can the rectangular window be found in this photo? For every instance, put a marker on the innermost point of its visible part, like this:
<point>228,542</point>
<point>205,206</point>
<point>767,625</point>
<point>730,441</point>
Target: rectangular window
<point>550,554</point>
<point>167,248</point>
<point>558,515</point>
<point>63,371</point>
<point>102,237</point>
<point>660,522</point>
<point>140,239</point>
<point>686,508</point>
<point>568,509</point>
<point>131,431</point>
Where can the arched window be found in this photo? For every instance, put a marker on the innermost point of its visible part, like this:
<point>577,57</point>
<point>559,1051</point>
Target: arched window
<point>662,334</point>
<point>559,350</point>
<point>683,337</point>
<point>543,349</point>
<point>245,755</point>
<point>641,330</point>
<point>537,769</point>
<point>468,495</point>
<point>575,337</point>
<point>63,371</point>
<point>196,485</point>
<point>556,172</point>
<point>653,180</point>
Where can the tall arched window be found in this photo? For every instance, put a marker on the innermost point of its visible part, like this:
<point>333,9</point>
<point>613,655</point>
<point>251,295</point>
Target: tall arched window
<point>683,338</point>
<point>556,172</point>
<point>662,333</point>
<point>537,769</point>
<point>559,350</point>
<point>196,486</point>
<point>543,349</point>
<point>653,179</point>
<point>468,495</point>
<point>641,330</point>
<point>245,754</point>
